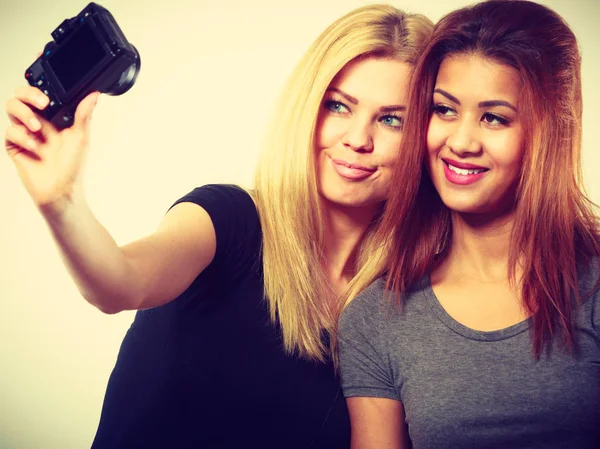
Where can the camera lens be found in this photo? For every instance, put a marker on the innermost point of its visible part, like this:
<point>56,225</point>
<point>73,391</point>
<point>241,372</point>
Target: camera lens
<point>127,78</point>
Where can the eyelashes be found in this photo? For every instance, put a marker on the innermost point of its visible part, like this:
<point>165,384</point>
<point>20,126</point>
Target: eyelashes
<point>336,107</point>
<point>491,119</point>
<point>440,109</point>
<point>390,120</point>
<point>396,121</point>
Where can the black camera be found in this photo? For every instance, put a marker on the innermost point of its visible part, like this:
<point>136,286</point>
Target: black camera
<point>89,53</point>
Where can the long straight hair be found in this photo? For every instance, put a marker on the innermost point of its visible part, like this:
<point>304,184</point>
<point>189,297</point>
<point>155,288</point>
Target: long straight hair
<point>296,286</point>
<point>555,227</point>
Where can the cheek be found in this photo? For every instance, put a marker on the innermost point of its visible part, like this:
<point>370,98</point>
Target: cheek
<point>387,146</point>
<point>436,136</point>
<point>329,131</point>
<point>509,152</point>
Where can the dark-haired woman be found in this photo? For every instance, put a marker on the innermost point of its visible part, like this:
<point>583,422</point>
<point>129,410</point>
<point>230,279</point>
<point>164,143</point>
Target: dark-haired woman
<point>485,330</point>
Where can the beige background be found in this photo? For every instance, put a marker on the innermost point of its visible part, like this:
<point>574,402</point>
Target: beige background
<point>211,71</point>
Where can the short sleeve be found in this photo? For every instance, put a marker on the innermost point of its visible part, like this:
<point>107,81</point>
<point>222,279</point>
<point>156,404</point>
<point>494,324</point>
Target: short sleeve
<point>238,234</point>
<point>589,284</point>
<point>593,286</point>
<point>233,214</point>
<point>364,367</point>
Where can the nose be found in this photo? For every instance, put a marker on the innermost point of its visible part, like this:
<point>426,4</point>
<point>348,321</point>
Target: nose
<point>359,135</point>
<point>464,139</point>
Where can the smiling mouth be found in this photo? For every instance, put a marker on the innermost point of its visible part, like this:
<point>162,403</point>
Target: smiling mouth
<point>465,171</point>
<point>466,175</point>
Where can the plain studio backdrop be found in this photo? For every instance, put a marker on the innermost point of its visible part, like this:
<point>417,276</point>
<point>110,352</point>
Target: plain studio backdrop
<point>211,73</point>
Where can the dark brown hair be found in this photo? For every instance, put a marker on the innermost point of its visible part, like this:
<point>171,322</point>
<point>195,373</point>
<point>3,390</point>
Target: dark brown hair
<point>555,227</point>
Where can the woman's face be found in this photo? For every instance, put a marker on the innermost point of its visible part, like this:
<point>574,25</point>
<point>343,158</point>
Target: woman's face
<point>359,131</point>
<point>475,135</point>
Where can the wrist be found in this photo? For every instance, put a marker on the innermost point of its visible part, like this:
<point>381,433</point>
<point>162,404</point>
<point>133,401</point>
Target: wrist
<point>58,209</point>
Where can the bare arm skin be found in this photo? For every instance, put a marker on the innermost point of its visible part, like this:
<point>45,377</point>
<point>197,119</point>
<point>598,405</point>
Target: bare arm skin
<point>146,273</point>
<point>377,423</point>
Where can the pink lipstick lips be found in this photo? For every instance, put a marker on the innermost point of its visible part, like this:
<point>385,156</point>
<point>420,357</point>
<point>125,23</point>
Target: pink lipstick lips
<point>461,173</point>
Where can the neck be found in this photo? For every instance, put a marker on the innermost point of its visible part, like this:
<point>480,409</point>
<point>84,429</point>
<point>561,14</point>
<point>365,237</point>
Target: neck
<point>480,246</point>
<point>344,227</point>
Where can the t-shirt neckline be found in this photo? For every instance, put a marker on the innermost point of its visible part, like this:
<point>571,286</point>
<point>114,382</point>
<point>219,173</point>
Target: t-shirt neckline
<point>461,329</point>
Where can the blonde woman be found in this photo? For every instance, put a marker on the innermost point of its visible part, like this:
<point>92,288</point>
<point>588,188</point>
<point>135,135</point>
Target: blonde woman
<point>237,291</point>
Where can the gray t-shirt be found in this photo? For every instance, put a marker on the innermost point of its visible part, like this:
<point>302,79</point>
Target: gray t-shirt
<point>463,388</point>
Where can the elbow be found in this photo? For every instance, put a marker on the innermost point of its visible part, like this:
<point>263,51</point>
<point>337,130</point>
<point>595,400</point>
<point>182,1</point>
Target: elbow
<point>113,306</point>
<point>108,310</point>
<point>105,307</point>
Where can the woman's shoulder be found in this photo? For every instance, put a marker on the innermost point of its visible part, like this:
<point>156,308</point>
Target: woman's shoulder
<point>220,194</point>
<point>373,294</point>
<point>379,291</point>
<point>234,216</point>
<point>379,302</point>
<point>223,202</point>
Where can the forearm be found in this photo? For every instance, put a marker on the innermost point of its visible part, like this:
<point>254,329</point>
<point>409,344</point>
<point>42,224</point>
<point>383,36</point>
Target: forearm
<point>100,269</point>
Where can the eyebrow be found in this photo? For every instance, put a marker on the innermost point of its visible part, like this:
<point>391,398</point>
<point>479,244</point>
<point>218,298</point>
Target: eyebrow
<point>482,104</point>
<point>353,100</point>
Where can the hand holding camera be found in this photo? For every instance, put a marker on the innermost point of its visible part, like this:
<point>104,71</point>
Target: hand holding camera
<point>49,118</point>
<point>89,53</point>
<point>48,160</point>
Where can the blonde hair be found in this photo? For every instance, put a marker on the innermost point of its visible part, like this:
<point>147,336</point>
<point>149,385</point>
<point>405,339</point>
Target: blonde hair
<point>296,286</point>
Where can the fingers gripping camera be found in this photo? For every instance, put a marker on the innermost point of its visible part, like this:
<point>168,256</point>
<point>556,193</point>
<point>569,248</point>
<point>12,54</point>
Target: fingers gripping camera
<point>89,53</point>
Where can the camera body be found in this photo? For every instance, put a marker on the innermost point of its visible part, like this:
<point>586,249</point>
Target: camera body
<point>89,53</point>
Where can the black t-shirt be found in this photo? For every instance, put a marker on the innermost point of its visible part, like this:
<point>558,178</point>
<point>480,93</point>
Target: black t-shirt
<point>208,369</point>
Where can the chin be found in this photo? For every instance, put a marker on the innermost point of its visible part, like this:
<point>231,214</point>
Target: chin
<point>351,200</point>
<point>478,207</point>
<point>463,204</point>
<point>463,209</point>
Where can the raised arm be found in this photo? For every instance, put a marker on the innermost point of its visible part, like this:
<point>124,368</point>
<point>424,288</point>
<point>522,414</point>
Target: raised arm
<point>146,273</point>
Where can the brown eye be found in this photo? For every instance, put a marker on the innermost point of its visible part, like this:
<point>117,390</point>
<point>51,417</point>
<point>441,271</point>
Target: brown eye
<point>495,120</point>
<point>444,111</point>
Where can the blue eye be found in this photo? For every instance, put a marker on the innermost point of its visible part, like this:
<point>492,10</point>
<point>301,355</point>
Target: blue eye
<point>392,121</point>
<point>336,106</point>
